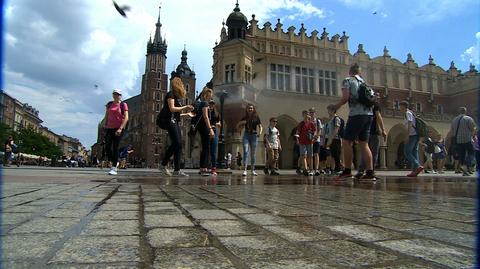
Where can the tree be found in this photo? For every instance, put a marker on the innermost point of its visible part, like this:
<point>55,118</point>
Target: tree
<point>31,142</point>
<point>6,131</point>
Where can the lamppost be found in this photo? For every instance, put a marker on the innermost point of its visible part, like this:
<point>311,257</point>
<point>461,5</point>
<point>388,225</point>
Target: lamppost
<point>221,138</point>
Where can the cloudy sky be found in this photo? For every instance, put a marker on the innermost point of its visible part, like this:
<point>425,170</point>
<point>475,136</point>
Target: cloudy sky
<point>56,51</point>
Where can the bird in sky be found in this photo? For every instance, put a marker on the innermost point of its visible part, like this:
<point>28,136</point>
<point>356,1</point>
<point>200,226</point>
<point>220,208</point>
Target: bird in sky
<point>374,13</point>
<point>121,9</point>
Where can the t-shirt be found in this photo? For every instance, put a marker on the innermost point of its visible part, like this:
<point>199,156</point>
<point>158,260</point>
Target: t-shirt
<point>214,118</point>
<point>304,130</point>
<point>319,127</point>
<point>409,117</point>
<point>114,115</point>
<point>355,108</point>
<point>201,121</point>
<point>330,128</point>
<point>166,113</point>
<point>251,125</point>
<point>272,135</point>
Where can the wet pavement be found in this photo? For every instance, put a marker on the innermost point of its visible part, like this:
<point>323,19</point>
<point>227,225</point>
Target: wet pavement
<point>82,218</point>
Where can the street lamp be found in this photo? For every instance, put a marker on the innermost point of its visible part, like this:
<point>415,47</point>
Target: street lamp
<point>221,138</point>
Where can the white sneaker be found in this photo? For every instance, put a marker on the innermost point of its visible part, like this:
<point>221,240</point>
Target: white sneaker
<point>254,173</point>
<point>113,171</point>
<point>179,173</point>
<point>244,173</point>
<point>164,171</point>
<point>310,173</point>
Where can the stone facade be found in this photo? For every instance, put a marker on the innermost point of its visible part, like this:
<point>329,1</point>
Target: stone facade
<point>284,71</point>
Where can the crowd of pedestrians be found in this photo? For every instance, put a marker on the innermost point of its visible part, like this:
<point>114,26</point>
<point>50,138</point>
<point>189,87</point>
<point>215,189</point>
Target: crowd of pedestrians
<point>322,145</point>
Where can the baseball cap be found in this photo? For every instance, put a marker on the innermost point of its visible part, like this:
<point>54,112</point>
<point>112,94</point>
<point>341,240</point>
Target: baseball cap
<point>117,91</point>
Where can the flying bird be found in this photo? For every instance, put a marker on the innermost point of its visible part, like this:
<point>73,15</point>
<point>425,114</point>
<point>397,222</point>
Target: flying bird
<point>374,13</point>
<point>121,9</point>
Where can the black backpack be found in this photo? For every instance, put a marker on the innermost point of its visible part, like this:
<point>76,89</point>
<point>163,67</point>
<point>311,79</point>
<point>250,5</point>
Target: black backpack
<point>366,95</point>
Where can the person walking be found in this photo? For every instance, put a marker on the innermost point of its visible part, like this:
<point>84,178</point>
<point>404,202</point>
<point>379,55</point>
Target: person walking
<point>318,143</point>
<point>116,118</point>
<point>169,118</point>
<point>215,124</point>
<point>463,129</point>
<point>411,143</point>
<point>377,129</point>
<point>428,150</point>
<point>239,160</point>
<point>9,149</point>
<point>253,129</point>
<point>333,143</point>
<point>358,124</point>
<point>439,155</point>
<point>206,130</point>
<point>273,147</point>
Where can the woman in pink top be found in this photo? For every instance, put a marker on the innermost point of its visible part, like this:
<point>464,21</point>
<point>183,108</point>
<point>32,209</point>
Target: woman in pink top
<point>116,117</point>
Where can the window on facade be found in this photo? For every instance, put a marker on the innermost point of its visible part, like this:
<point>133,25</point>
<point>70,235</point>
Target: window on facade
<point>419,83</point>
<point>248,74</point>
<point>327,82</point>
<point>396,79</point>
<point>157,107</point>
<point>229,73</point>
<point>158,85</point>
<point>396,105</point>
<point>418,107</point>
<point>158,96</point>
<point>187,87</point>
<point>159,75</point>
<point>439,109</point>
<point>280,77</point>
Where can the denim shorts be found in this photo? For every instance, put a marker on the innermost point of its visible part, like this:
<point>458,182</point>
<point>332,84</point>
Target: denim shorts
<point>306,150</point>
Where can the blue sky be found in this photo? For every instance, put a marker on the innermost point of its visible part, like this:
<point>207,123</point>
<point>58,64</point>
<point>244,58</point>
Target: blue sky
<point>57,50</point>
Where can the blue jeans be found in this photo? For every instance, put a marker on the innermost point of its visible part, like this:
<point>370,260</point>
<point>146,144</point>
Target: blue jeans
<point>249,146</point>
<point>213,149</point>
<point>411,151</point>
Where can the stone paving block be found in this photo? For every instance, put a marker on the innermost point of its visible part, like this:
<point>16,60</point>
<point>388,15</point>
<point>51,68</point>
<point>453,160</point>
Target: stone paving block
<point>67,213</point>
<point>404,266</point>
<point>210,214</point>
<point>198,258</point>
<point>451,216</point>
<point>96,249</point>
<point>112,227</point>
<point>24,247</point>
<point>449,225</point>
<point>292,264</point>
<point>173,237</point>
<point>448,236</point>
<point>347,253</point>
<point>323,220</point>
<point>260,247</point>
<point>15,218</point>
<point>266,219</point>
<point>24,209</point>
<point>189,205</point>
<point>116,215</point>
<point>46,225</point>
<point>246,210</point>
<point>392,224</point>
<point>292,212</point>
<point>230,205</point>
<point>123,265</point>
<point>366,233</point>
<point>167,221</point>
<point>300,233</point>
<point>429,250</point>
<point>119,207</point>
<point>404,216</point>
<point>229,227</point>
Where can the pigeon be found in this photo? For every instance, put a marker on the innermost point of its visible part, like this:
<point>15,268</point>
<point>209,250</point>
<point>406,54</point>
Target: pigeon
<point>121,9</point>
<point>374,13</point>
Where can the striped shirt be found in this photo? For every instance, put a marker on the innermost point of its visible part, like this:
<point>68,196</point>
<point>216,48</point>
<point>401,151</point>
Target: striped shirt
<point>465,129</point>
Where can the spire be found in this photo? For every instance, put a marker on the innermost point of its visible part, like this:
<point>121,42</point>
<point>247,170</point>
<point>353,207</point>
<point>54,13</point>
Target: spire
<point>385,52</point>
<point>158,33</point>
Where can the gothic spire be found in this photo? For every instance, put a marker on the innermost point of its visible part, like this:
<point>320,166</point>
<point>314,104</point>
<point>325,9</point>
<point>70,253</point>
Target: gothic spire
<point>158,31</point>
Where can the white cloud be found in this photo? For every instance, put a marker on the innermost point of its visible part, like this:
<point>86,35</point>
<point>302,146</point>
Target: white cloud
<point>101,43</point>
<point>472,54</point>
<point>11,40</point>
<point>434,10</point>
<point>364,4</point>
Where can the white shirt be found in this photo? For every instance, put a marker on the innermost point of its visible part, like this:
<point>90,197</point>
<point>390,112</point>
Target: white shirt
<point>272,137</point>
<point>409,117</point>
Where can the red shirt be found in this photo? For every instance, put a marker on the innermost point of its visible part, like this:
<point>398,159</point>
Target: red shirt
<point>303,129</point>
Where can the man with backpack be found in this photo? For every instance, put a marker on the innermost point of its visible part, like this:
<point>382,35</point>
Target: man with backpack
<point>463,130</point>
<point>319,139</point>
<point>411,144</point>
<point>333,142</point>
<point>360,100</point>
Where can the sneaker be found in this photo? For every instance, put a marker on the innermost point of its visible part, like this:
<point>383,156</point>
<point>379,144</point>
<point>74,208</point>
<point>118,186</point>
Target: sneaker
<point>213,171</point>
<point>274,173</point>
<point>359,175</point>
<point>265,170</point>
<point>244,173</point>
<point>441,172</point>
<point>322,172</point>
<point>426,171</point>
<point>113,171</point>
<point>458,172</point>
<point>412,174</point>
<point>298,171</point>
<point>311,173</point>
<point>164,171</point>
<point>418,170</point>
<point>305,172</point>
<point>179,173</point>
<point>433,171</point>
<point>205,174</point>
<point>344,175</point>
<point>254,173</point>
<point>317,173</point>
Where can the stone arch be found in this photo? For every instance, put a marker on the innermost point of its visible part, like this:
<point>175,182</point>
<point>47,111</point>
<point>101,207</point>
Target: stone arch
<point>395,139</point>
<point>285,125</point>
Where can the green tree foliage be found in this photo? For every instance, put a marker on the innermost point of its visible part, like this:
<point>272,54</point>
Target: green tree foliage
<point>31,142</point>
<point>5,131</point>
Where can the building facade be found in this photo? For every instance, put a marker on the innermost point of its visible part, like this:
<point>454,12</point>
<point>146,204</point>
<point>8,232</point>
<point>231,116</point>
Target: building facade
<point>285,71</point>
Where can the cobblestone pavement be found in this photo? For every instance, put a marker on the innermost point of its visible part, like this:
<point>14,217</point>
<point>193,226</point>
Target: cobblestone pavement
<point>81,218</point>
